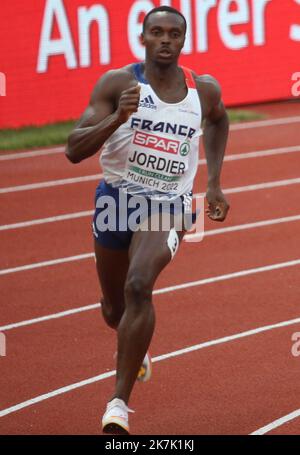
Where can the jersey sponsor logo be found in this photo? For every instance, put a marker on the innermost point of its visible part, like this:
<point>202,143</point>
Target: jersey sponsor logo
<point>148,103</point>
<point>157,143</point>
<point>184,149</point>
<point>163,127</point>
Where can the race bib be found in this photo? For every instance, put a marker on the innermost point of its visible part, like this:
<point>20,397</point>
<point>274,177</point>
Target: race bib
<point>157,161</point>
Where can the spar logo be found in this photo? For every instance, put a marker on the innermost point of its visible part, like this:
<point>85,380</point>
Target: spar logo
<point>184,149</point>
<point>158,143</point>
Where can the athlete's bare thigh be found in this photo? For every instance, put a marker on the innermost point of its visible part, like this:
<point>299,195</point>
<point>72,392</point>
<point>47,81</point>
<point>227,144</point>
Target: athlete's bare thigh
<point>150,252</point>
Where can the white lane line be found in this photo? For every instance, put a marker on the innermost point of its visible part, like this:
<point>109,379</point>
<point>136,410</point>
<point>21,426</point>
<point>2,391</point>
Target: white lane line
<point>97,177</point>
<point>31,153</point>
<point>169,355</point>
<point>227,338</point>
<point>233,127</point>
<point>52,219</point>
<point>201,162</point>
<point>50,183</point>
<point>48,317</point>
<point>36,265</point>
<point>257,154</point>
<point>241,189</point>
<point>211,232</point>
<point>263,123</point>
<point>229,276</point>
<point>34,153</point>
<point>260,153</point>
<point>277,423</point>
<point>174,288</point>
<point>241,227</point>
<point>259,186</point>
<point>56,392</point>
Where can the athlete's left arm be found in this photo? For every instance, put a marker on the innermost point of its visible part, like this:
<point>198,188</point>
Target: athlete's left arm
<point>216,126</point>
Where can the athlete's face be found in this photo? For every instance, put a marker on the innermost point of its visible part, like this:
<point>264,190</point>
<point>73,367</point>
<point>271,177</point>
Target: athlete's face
<point>164,37</point>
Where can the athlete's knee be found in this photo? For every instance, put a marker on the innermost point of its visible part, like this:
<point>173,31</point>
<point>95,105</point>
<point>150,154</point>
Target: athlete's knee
<point>137,289</point>
<point>111,314</point>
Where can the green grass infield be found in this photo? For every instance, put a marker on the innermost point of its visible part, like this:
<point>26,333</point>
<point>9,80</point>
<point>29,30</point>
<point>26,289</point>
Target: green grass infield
<point>56,133</point>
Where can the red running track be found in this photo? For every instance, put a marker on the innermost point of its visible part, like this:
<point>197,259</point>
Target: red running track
<point>233,387</point>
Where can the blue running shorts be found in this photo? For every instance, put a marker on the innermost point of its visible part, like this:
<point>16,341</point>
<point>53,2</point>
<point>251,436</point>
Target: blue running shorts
<point>116,218</point>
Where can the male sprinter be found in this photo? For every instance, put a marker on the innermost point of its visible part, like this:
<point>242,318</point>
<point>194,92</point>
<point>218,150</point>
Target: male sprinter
<point>147,118</point>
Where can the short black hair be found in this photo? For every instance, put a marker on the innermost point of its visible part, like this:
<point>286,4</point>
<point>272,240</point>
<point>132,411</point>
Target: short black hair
<point>167,9</point>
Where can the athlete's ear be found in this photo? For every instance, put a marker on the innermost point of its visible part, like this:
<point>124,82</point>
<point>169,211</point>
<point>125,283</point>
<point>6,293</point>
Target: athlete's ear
<point>184,38</point>
<point>142,39</point>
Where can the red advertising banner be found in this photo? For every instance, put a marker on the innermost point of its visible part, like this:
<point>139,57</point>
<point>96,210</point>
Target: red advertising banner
<point>53,51</point>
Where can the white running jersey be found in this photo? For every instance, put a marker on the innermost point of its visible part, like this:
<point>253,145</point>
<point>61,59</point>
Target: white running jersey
<point>155,153</point>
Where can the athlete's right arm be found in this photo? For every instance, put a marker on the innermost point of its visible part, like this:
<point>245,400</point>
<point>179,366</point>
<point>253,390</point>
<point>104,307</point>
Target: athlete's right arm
<point>111,104</point>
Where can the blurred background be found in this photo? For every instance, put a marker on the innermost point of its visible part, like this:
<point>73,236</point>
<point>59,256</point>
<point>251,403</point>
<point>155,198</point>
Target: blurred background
<point>52,52</point>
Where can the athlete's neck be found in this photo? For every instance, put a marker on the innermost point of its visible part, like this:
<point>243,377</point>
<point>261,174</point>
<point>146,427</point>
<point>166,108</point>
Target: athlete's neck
<point>162,74</point>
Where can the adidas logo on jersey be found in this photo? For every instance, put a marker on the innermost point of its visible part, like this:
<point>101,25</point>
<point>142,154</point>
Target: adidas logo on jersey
<point>148,103</point>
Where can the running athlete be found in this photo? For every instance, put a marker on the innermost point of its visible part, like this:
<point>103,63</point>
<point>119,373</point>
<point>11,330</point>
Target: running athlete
<point>147,119</point>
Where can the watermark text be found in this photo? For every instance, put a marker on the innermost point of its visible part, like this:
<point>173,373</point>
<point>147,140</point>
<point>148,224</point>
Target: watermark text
<point>296,85</point>
<point>139,213</point>
<point>2,345</point>
<point>296,346</point>
<point>2,84</point>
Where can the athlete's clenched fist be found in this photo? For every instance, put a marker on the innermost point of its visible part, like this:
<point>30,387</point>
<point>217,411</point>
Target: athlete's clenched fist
<point>128,103</point>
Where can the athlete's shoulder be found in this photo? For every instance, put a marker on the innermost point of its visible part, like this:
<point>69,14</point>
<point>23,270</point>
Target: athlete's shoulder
<point>209,91</point>
<point>113,82</point>
<point>208,86</point>
<point>125,73</point>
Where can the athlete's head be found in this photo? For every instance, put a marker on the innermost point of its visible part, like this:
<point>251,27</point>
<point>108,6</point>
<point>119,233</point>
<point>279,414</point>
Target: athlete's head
<point>163,34</point>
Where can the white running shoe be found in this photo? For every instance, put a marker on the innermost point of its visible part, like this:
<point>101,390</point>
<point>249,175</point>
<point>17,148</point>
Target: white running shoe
<point>145,370</point>
<point>115,418</point>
